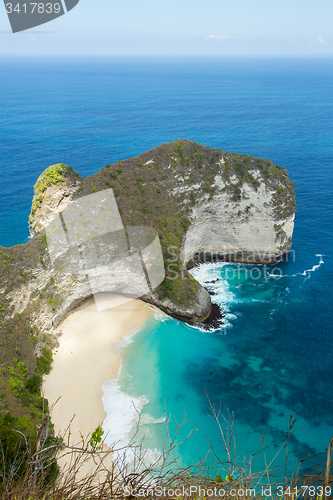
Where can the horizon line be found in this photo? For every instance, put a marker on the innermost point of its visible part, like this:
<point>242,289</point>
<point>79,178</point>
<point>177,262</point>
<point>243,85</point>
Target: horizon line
<point>101,54</point>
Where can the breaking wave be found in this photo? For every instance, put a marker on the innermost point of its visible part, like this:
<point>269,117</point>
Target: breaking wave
<point>126,425</point>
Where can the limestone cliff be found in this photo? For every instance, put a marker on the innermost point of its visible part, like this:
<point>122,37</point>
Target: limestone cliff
<point>253,226</point>
<point>204,203</point>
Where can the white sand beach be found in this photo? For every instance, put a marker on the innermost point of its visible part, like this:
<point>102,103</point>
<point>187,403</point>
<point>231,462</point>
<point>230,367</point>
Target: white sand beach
<point>85,360</point>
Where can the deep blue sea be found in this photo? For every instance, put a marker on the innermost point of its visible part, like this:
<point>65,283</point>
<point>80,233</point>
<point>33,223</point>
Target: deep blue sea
<point>274,354</point>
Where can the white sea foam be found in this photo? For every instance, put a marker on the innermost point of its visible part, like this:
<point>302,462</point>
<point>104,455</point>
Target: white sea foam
<point>124,416</point>
<point>207,276</point>
<point>123,413</point>
<point>314,268</point>
<point>126,339</point>
<point>159,315</point>
<point>307,272</point>
<point>227,320</point>
<point>206,271</point>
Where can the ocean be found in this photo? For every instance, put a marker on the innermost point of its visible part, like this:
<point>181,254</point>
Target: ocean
<point>274,353</point>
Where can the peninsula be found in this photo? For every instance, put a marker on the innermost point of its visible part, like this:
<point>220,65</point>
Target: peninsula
<point>206,204</point>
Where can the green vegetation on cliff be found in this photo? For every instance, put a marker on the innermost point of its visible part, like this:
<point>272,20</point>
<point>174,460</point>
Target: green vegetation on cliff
<point>52,176</point>
<point>25,353</point>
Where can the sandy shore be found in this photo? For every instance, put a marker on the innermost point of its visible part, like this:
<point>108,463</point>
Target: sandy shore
<point>85,360</point>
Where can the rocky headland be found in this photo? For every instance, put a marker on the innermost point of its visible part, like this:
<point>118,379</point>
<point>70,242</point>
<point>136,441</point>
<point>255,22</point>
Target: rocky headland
<point>206,204</point>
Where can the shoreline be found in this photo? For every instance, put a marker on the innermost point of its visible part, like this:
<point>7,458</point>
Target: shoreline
<point>83,361</point>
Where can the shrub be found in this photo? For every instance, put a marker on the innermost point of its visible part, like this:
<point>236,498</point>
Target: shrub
<point>239,170</point>
<point>53,175</point>
<point>22,369</point>
<point>185,222</point>
<point>16,386</point>
<point>44,362</point>
<point>199,161</point>
<point>33,384</point>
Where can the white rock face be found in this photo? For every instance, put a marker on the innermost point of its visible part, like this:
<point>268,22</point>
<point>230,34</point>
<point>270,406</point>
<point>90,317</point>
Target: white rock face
<point>55,199</point>
<point>243,231</point>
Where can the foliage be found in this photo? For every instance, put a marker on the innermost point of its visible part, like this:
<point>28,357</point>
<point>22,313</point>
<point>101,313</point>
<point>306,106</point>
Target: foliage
<point>22,446</point>
<point>33,384</point>
<point>22,368</point>
<point>16,385</point>
<point>96,438</point>
<point>54,175</point>
<point>44,362</point>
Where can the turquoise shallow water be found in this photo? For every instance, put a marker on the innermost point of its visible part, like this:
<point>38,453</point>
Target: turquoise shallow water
<point>252,366</point>
<point>275,353</point>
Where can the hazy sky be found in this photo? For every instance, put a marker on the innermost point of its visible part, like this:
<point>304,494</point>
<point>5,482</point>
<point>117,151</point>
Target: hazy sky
<point>180,27</point>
